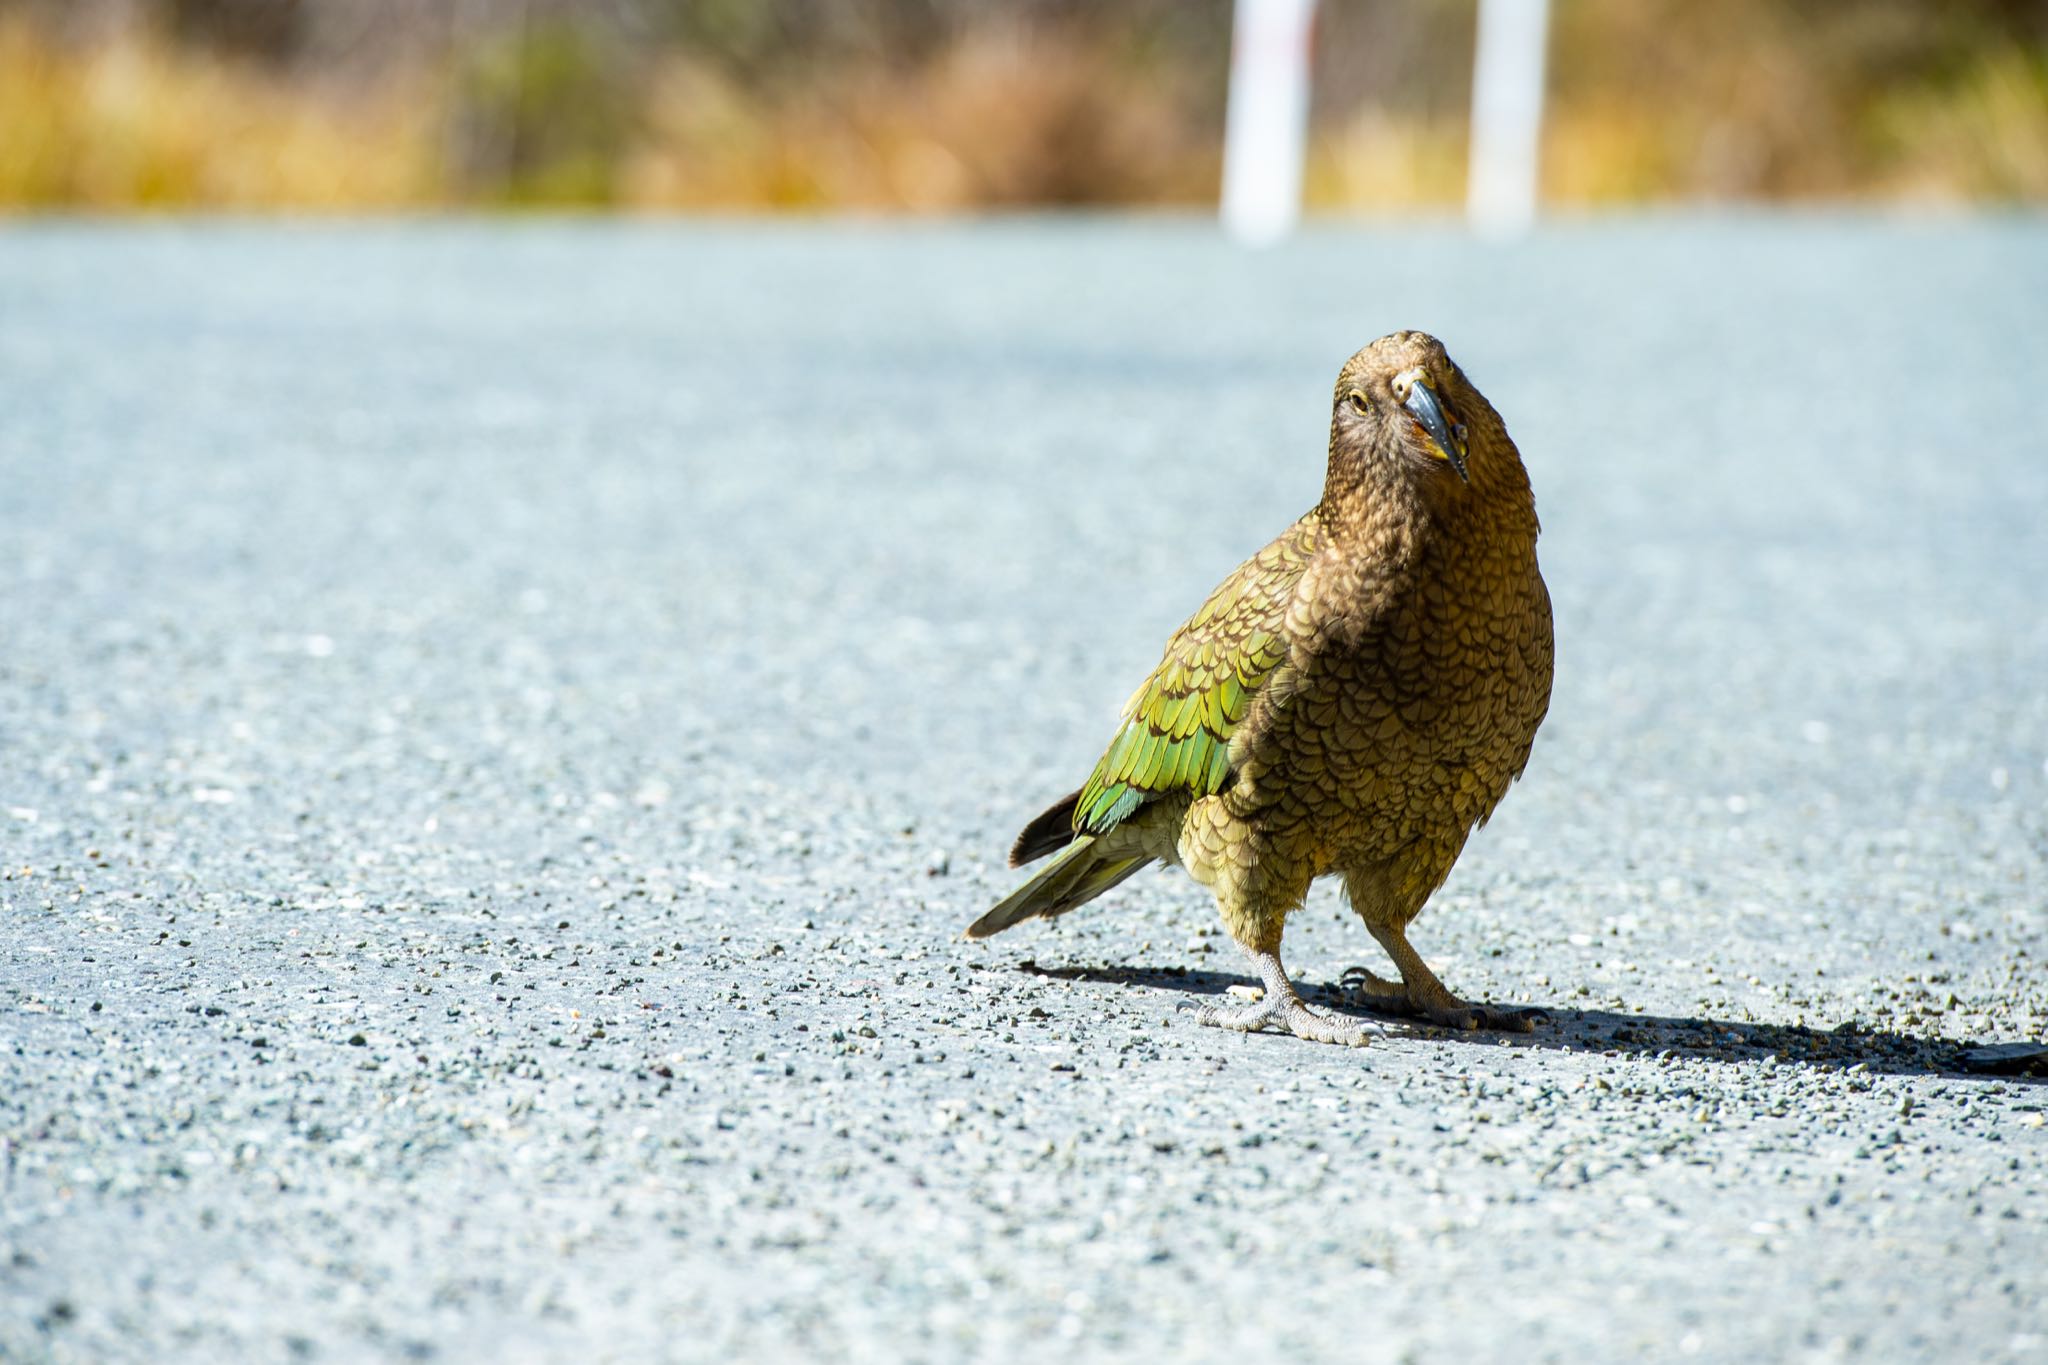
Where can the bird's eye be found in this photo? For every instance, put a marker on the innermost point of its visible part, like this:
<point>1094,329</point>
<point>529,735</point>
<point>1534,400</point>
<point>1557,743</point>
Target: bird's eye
<point>1358,403</point>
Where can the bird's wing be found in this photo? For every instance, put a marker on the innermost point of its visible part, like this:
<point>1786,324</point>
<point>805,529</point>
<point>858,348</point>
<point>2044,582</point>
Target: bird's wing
<point>1177,726</point>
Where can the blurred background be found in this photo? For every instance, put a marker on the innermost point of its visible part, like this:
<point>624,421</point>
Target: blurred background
<point>939,106</point>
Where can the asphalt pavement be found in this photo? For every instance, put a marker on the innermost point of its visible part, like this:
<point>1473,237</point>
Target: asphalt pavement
<point>502,726</point>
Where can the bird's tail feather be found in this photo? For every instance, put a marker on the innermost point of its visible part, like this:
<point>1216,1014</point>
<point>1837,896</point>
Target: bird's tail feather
<point>1051,829</point>
<point>1074,878</point>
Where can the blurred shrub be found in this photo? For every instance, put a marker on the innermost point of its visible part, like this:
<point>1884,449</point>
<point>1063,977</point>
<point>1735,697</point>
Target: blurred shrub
<point>1765,99</point>
<point>538,114</point>
<point>1002,116</point>
<point>1982,134</point>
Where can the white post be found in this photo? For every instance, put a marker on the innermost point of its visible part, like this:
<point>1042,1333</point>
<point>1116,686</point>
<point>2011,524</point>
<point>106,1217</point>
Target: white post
<point>1266,125</point>
<point>1507,115</point>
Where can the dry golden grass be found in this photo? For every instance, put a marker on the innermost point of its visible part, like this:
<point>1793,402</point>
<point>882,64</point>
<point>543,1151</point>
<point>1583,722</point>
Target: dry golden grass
<point>1002,115</point>
<point>1376,162</point>
<point>134,124</point>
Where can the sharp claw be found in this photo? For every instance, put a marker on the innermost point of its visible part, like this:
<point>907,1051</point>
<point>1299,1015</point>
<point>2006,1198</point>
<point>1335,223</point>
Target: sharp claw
<point>1458,1018</point>
<point>1516,1020</point>
<point>1291,1016</point>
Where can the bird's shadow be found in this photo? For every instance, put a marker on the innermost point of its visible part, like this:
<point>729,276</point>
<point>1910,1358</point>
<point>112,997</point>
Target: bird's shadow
<point>1604,1031</point>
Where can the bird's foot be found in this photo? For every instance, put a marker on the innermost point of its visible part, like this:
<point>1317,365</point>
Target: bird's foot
<point>1287,1012</point>
<point>1370,991</point>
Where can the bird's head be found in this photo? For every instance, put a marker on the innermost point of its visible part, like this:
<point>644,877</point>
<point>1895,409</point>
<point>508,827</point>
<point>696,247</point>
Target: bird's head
<point>1401,412</point>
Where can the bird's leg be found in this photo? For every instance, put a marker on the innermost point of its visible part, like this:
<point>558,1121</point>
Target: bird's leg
<point>1419,995</point>
<point>1282,1007</point>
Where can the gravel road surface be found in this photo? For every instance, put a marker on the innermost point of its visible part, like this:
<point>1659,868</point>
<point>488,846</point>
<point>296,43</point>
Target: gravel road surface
<point>501,728</point>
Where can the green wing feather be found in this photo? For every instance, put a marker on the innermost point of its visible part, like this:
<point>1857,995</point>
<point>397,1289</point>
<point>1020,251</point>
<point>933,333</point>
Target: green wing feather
<point>1177,727</point>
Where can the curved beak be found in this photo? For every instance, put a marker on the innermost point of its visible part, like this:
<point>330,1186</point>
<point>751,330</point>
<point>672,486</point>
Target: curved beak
<point>1422,404</point>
